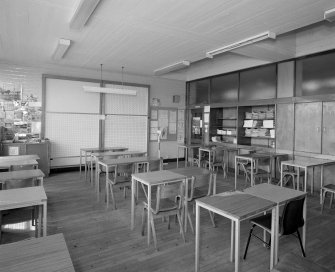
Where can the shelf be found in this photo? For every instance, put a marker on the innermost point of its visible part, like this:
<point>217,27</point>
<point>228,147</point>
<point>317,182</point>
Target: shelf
<point>228,136</point>
<point>260,137</point>
<point>226,118</point>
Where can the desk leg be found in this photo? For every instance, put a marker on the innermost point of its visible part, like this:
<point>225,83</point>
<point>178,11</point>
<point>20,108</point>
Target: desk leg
<point>85,166</point>
<point>304,227</point>
<point>298,178</point>
<point>149,214</point>
<point>197,236</point>
<point>177,156</point>
<point>40,181</point>
<point>235,173</point>
<point>237,245</point>
<point>312,183</point>
<point>232,240</point>
<point>321,184</point>
<point>199,162</point>
<point>44,218</point>
<point>306,175</point>
<point>91,170</point>
<point>186,203</point>
<point>132,214</point>
<point>281,174</point>
<point>39,223</point>
<point>274,236</point>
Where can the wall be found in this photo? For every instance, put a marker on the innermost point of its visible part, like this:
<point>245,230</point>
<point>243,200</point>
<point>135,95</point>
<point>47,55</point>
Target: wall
<point>31,79</point>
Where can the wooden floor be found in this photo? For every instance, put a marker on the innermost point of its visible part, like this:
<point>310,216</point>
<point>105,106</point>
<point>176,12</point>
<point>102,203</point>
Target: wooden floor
<point>101,240</point>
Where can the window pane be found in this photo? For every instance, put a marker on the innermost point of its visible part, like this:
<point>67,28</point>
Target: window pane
<point>224,88</point>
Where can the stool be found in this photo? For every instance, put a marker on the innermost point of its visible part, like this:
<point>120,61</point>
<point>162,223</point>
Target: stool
<point>329,188</point>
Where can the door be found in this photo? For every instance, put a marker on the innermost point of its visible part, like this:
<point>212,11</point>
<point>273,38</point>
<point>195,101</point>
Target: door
<point>328,128</point>
<point>308,120</point>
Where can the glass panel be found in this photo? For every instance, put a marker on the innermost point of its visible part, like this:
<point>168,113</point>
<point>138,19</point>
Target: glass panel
<point>198,92</point>
<point>196,125</point>
<point>258,83</point>
<point>224,88</point>
<point>318,76</point>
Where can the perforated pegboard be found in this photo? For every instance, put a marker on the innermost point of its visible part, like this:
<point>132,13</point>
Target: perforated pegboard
<point>70,132</point>
<point>127,104</point>
<point>129,131</point>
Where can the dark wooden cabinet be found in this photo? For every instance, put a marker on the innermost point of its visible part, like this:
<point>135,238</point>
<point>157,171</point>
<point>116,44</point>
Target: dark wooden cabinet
<point>308,127</point>
<point>41,149</point>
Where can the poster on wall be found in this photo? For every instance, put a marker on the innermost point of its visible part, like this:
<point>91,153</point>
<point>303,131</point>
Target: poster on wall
<point>181,127</point>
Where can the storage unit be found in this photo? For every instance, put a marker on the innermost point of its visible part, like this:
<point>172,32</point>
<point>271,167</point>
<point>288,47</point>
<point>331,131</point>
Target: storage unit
<point>41,149</point>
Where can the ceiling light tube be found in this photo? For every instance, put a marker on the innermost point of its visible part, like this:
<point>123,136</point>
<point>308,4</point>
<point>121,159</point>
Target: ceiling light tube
<point>62,46</point>
<point>244,42</point>
<point>83,13</point>
<point>172,67</point>
<point>329,15</point>
<point>109,90</point>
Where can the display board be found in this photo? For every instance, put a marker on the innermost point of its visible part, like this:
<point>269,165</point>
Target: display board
<point>164,120</point>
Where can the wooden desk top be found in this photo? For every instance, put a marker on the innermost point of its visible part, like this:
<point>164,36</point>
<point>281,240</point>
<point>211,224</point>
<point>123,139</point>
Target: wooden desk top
<point>120,153</point>
<point>190,171</point>
<point>274,193</point>
<point>157,177</point>
<point>237,205</point>
<point>21,174</point>
<point>18,158</point>
<point>48,253</point>
<point>306,162</point>
<point>8,164</point>
<point>126,160</point>
<point>21,197</point>
<point>97,149</point>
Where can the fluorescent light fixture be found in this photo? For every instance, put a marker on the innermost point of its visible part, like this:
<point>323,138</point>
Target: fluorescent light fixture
<point>250,40</point>
<point>62,46</point>
<point>172,67</point>
<point>83,13</point>
<point>110,90</point>
<point>330,15</point>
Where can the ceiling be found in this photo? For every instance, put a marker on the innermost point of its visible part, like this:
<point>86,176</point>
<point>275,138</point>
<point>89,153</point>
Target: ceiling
<point>144,35</point>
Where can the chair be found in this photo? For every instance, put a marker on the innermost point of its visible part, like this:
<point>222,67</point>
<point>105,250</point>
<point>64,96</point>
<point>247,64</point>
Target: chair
<point>219,161</point>
<point>289,223</point>
<point>201,186</point>
<point>289,173</point>
<point>168,202</point>
<point>261,170</point>
<point>120,178</point>
<point>329,188</point>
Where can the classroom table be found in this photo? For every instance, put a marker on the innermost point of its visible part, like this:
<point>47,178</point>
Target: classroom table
<point>186,148</point>
<point>106,164</point>
<point>26,197</point>
<point>95,156</point>
<point>20,175</point>
<point>151,179</point>
<point>253,159</point>
<point>306,163</point>
<point>279,195</point>
<point>85,152</point>
<point>4,164</point>
<point>236,206</point>
<point>190,172</point>
<point>43,254</point>
<point>19,157</point>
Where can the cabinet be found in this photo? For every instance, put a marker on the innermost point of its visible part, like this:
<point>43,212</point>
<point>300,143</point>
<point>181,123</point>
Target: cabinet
<point>328,130</point>
<point>223,126</point>
<point>285,126</point>
<point>257,125</point>
<point>41,149</point>
<point>308,120</point>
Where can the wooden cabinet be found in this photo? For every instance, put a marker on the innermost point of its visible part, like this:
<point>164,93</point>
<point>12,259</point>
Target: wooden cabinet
<point>41,149</point>
<point>308,122</point>
<point>285,127</point>
<point>328,128</point>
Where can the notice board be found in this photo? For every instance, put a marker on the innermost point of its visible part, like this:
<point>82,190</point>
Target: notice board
<point>164,120</point>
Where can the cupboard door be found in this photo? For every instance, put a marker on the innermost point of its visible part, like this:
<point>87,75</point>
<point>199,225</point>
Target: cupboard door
<point>308,120</point>
<point>328,131</point>
<point>285,126</point>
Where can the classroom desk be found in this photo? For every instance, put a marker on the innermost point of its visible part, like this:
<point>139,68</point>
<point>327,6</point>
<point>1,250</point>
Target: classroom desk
<point>190,172</point>
<point>21,174</point>
<point>43,254</point>
<point>236,206</point>
<point>253,159</point>
<point>95,156</point>
<point>19,157</point>
<point>108,163</point>
<point>306,163</point>
<point>26,197</point>
<point>279,195</point>
<point>85,152</point>
<point>20,162</point>
<point>151,179</point>
<point>186,149</point>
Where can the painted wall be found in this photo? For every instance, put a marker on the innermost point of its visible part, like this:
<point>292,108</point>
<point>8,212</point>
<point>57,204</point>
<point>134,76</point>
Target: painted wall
<point>31,80</point>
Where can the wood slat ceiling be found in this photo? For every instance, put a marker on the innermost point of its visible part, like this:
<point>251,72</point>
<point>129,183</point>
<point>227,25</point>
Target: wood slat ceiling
<point>144,35</point>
